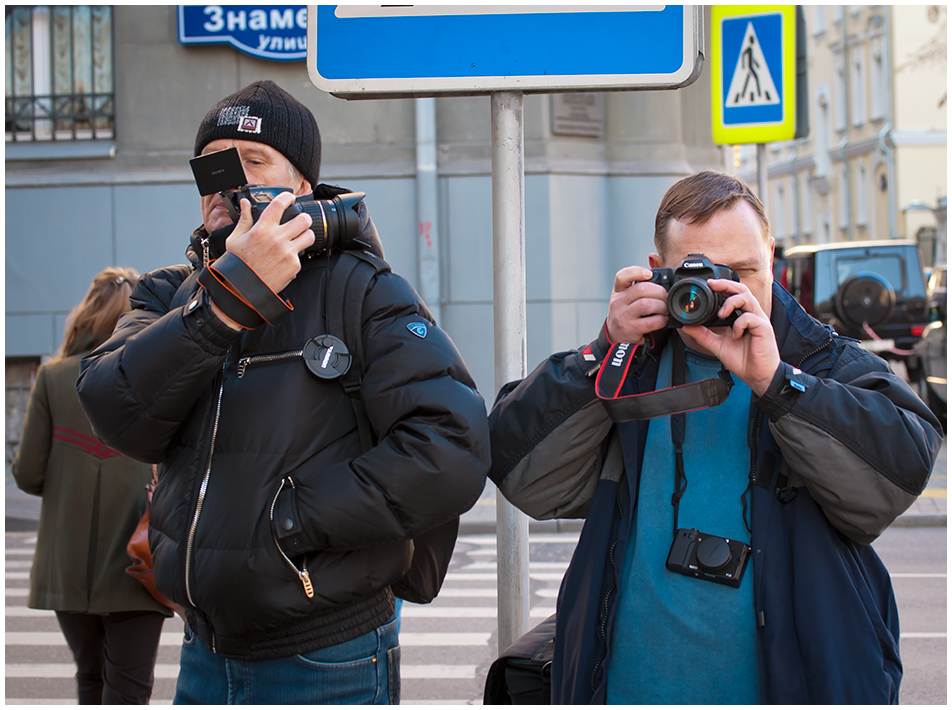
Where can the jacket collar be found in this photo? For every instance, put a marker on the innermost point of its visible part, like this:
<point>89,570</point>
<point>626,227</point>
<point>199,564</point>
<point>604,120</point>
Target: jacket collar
<point>798,334</point>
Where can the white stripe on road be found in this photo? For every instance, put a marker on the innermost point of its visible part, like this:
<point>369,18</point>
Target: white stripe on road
<point>170,670</point>
<point>68,670</point>
<point>437,672</point>
<point>414,611</point>
<point>532,565</point>
<point>475,592</point>
<point>409,638</point>
<point>23,611</point>
<point>923,635</point>
<point>491,576</point>
<point>919,575</point>
<point>55,638</point>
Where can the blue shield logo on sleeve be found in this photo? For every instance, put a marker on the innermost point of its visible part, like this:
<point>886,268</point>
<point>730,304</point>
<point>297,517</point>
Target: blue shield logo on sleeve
<point>418,329</point>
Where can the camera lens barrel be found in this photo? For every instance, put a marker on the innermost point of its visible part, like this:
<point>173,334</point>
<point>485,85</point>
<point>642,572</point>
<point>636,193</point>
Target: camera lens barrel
<point>692,302</point>
<point>335,222</point>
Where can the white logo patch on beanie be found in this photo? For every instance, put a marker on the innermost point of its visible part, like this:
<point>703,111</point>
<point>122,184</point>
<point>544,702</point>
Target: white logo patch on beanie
<point>249,124</point>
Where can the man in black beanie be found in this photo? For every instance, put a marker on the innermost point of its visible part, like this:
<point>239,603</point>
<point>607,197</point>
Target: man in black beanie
<point>276,523</point>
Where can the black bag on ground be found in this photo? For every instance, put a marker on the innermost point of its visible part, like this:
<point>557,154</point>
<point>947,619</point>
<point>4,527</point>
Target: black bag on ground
<point>522,675</point>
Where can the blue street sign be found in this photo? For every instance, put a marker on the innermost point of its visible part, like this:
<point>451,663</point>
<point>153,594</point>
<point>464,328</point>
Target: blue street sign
<point>753,73</point>
<point>266,31</point>
<point>431,50</point>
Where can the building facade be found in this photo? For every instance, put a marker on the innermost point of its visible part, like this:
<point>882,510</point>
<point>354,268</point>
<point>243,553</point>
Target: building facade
<point>874,165</point>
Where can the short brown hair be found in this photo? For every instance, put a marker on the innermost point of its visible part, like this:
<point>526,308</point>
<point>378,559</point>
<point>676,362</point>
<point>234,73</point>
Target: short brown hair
<point>697,198</point>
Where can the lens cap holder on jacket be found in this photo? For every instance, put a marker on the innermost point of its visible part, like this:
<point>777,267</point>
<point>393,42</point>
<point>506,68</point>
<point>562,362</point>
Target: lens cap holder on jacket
<point>327,356</point>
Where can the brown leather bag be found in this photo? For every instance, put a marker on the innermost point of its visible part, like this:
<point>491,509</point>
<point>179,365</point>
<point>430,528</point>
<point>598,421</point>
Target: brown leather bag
<point>141,555</point>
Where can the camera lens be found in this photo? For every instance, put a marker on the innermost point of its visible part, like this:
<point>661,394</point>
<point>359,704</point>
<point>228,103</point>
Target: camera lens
<point>713,553</point>
<point>691,301</point>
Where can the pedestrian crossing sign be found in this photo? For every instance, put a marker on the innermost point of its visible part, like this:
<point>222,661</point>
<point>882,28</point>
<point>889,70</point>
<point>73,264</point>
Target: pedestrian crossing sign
<point>753,73</point>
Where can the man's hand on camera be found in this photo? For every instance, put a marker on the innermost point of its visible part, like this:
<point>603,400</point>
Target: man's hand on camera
<point>635,309</point>
<point>269,247</point>
<point>748,349</point>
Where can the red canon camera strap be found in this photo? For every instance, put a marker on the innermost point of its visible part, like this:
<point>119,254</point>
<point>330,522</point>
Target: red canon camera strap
<point>660,403</point>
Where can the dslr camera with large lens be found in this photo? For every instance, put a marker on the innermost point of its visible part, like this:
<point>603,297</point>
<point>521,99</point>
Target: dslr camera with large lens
<point>335,222</point>
<point>690,300</point>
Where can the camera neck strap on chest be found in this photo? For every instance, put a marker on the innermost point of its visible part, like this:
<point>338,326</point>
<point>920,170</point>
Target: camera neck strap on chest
<point>677,399</point>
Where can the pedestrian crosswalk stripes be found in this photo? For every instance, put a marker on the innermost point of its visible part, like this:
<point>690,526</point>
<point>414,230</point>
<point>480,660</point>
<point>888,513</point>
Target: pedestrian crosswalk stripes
<point>447,645</point>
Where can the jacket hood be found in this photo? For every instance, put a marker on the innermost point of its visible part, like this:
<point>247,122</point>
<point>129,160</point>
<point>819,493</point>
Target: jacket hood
<point>366,234</point>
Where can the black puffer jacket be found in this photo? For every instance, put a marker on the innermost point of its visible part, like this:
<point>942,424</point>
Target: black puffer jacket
<point>243,429</point>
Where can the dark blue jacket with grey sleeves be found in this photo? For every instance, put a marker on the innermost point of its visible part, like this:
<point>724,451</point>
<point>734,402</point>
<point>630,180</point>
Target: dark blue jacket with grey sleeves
<point>836,458</point>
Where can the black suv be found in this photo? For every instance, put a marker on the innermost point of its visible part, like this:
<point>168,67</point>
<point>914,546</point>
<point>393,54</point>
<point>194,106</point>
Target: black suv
<point>873,291</point>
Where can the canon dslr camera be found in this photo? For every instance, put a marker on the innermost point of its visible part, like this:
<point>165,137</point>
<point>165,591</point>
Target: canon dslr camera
<point>335,222</point>
<point>716,559</point>
<point>690,300</point>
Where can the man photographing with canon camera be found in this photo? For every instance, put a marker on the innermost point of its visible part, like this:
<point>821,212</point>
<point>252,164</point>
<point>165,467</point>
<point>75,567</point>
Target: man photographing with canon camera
<point>286,507</point>
<point>733,459</point>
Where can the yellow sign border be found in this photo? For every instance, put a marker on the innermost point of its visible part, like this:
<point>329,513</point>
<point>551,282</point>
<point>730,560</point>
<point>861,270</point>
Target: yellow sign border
<point>785,130</point>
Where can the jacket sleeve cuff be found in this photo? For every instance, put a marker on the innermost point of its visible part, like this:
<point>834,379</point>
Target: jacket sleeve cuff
<point>207,328</point>
<point>787,386</point>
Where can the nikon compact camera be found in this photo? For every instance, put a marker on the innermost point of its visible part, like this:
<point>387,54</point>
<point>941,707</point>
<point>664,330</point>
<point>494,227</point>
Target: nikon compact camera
<point>690,300</point>
<point>335,222</point>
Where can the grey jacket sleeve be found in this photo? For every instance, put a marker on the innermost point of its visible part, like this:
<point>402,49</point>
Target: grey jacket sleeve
<point>550,438</point>
<point>860,440</point>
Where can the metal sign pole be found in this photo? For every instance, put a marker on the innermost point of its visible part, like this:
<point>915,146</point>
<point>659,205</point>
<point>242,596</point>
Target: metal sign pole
<point>509,334</point>
<point>762,175</point>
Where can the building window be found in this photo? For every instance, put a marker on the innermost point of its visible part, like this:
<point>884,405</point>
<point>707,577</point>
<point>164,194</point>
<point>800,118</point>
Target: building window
<point>824,130</point>
<point>877,81</point>
<point>840,98</point>
<point>862,195</point>
<point>59,73</point>
<point>858,89</point>
<point>806,223</point>
<point>819,20</point>
<point>779,212</point>
<point>843,191</point>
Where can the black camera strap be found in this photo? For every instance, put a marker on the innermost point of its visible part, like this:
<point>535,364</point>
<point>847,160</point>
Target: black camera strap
<point>677,399</point>
<point>679,368</point>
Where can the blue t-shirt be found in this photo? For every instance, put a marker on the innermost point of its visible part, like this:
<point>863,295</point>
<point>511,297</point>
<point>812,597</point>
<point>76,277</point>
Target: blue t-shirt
<point>678,639</point>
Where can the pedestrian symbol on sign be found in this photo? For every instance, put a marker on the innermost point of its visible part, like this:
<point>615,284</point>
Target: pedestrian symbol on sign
<point>752,84</point>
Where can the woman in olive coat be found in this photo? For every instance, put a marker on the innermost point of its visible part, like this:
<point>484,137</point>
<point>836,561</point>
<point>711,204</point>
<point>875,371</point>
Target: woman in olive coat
<point>93,498</point>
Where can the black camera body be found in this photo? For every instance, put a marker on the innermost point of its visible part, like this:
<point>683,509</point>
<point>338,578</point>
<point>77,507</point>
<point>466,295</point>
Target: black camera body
<point>709,557</point>
<point>690,300</point>
<point>335,222</point>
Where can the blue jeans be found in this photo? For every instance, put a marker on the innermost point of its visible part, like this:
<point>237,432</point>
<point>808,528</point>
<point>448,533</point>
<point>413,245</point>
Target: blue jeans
<point>363,671</point>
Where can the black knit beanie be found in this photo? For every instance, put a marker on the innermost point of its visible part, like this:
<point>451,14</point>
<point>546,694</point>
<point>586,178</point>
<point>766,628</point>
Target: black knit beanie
<point>266,113</point>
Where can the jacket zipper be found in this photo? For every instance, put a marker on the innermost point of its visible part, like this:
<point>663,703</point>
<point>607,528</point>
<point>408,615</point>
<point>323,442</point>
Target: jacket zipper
<point>200,502</point>
<point>606,602</point>
<point>813,352</point>
<point>301,573</point>
<point>245,362</point>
